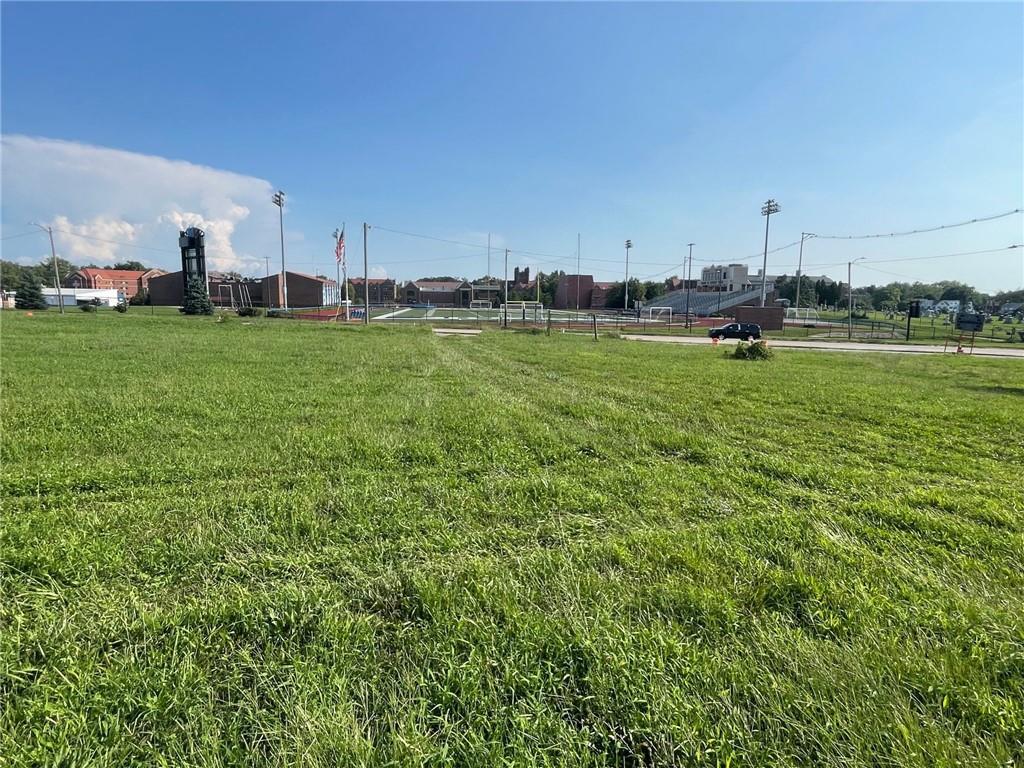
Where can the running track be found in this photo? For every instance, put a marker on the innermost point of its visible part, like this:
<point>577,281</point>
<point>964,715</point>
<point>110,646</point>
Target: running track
<point>840,346</point>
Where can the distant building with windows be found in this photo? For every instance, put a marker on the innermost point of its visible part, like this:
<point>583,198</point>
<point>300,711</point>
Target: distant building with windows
<point>727,278</point>
<point>383,290</point>
<point>127,281</point>
<point>437,293</point>
<point>724,278</point>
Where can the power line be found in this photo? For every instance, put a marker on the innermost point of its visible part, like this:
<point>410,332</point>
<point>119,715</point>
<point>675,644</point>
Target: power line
<point>115,242</point>
<point>978,220</point>
<point>23,234</point>
<point>542,257</point>
<point>474,255</point>
<point>925,258</point>
<point>883,271</point>
<point>428,237</point>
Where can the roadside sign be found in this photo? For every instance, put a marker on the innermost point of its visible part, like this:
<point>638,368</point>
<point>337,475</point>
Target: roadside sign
<point>972,323</point>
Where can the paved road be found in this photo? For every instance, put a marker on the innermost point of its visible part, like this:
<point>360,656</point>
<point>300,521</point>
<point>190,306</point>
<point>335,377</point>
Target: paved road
<point>839,346</point>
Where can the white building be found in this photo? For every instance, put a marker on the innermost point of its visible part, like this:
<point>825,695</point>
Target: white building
<point>75,296</point>
<point>724,278</point>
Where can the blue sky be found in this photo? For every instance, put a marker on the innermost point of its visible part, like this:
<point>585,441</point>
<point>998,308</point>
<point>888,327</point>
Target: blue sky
<point>666,124</point>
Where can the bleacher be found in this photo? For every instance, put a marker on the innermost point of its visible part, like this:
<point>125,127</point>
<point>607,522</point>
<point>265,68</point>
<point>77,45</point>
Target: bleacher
<point>703,304</point>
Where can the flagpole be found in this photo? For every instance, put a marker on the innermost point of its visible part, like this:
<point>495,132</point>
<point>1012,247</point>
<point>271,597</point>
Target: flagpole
<point>344,273</point>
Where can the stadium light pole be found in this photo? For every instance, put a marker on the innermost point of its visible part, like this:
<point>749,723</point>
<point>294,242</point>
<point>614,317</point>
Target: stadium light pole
<point>767,210</point>
<point>278,200</point>
<point>625,286</point>
<point>799,270</point>
<point>56,273</point>
<point>849,297</point>
<point>689,270</point>
<point>505,322</point>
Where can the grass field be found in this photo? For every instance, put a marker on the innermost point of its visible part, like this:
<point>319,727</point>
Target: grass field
<point>281,543</point>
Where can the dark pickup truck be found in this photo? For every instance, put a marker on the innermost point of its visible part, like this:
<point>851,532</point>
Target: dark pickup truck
<point>736,331</point>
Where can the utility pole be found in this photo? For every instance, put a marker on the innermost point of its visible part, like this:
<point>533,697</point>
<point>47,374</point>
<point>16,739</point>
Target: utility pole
<point>577,273</point>
<point>767,210</point>
<point>849,296</point>
<point>799,271</point>
<point>689,270</point>
<point>366,279</point>
<point>505,322</point>
<point>278,200</point>
<point>849,300</point>
<point>537,279</point>
<point>625,286</point>
<point>56,272</point>
<point>488,257</point>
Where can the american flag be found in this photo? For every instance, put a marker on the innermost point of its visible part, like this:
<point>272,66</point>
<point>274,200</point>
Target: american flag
<point>339,249</point>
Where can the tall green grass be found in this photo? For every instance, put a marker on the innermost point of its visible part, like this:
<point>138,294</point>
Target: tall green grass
<point>276,543</point>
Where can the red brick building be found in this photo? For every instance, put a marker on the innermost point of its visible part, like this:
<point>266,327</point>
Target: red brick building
<point>383,290</point>
<point>127,281</point>
<point>592,295</point>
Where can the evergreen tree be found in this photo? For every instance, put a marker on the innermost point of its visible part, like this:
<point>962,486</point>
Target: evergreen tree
<point>196,302</point>
<point>29,294</point>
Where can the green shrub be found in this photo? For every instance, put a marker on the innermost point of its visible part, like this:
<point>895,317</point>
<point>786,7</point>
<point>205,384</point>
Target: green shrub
<point>29,294</point>
<point>196,301</point>
<point>758,350</point>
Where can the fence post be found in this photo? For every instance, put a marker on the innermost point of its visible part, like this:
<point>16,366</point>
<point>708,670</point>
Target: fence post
<point>549,322</point>
<point>594,319</point>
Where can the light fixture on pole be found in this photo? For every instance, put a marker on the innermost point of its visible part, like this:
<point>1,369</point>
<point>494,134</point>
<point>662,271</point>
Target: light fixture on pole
<point>625,286</point>
<point>278,200</point>
<point>769,207</point>
<point>689,270</point>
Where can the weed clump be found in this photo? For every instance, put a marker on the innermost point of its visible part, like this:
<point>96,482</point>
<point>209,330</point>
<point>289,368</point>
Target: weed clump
<point>757,350</point>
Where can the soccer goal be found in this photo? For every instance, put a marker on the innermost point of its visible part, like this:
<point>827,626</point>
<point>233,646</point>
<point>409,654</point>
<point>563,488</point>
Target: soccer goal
<point>660,314</point>
<point>804,314</point>
<point>523,311</point>
<point>480,304</point>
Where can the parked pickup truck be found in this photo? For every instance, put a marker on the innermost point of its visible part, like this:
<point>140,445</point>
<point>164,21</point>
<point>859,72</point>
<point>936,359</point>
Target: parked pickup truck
<point>736,331</point>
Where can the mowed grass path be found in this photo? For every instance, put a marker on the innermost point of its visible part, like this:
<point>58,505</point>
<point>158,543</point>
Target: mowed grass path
<point>282,544</point>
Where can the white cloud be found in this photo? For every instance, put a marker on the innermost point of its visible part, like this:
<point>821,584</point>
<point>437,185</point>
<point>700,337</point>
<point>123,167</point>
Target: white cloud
<point>220,253</point>
<point>378,272</point>
<point>133,199</point>
<point>91,241</point>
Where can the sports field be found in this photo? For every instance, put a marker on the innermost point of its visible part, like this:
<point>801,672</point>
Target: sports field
<point>298,544</point>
